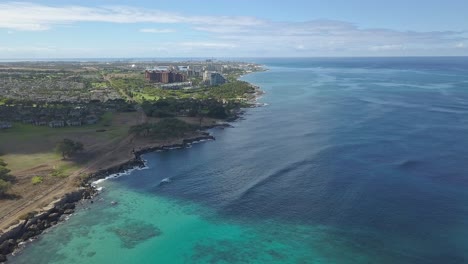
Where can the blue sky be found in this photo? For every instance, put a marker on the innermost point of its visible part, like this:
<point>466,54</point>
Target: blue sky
<point>226,28</point>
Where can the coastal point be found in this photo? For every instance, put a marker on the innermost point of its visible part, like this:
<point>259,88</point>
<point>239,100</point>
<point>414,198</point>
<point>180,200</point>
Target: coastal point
<point>116,111</point>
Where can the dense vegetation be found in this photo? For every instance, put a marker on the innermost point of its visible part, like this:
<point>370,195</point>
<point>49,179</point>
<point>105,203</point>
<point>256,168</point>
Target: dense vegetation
<point>140,90</point>
<point>164,129</point>
<point>216,102</point>
<point>6,179</point>
<point>236,90</point>
<point>189,107</point>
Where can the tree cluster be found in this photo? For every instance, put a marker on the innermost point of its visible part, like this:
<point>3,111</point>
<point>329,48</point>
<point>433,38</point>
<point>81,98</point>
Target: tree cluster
<point>232,90</point>
<point>68,147</point>
<point>171,107</point>
<point>6,179</point>
<point>166,128</point>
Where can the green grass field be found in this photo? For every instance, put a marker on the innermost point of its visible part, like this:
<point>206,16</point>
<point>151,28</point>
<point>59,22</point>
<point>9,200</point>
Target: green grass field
<point>17,162</point>
<point>27,146</point>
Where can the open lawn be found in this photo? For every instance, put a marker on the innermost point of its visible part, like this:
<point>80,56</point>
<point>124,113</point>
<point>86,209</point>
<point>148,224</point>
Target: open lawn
<point>25,146</point>
<point>41,173</point>
<point>141,96</point>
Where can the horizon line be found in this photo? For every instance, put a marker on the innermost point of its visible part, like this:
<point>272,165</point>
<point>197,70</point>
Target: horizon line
<point>84,59</point>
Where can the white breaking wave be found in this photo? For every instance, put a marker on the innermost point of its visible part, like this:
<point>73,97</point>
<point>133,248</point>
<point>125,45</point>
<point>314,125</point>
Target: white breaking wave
<point>118,175</point>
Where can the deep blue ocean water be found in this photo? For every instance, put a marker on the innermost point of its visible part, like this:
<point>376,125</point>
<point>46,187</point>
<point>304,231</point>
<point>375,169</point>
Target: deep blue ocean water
<point>354,160</point>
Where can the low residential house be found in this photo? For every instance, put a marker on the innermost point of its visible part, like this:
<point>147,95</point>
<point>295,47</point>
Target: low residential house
<point>75,113</point>
<point>28,121</point>
<point>91,120</point>
<point>56,123</point>
<point>58,116</point>
<point>73,122</point>
<point>44,112</point>
<point>40,123</point>
<point>24,112</point>
<point>5,125</point>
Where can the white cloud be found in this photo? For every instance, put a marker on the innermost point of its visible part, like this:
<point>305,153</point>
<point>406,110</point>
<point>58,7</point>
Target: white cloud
<point>208,44</point>
<point>332,38</point>
<point>242,36</point>
<point>19,49</point>
<point>386,47</point>
<point>156,30</point>
<point>35,17</point>
<point>300,47</point>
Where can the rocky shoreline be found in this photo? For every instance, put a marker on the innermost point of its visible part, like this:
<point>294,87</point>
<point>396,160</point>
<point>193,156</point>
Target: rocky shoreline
<point>137,161</point>
<point>35,223</point>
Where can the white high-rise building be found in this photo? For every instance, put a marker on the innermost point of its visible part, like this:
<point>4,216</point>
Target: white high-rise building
<point>217,79</point>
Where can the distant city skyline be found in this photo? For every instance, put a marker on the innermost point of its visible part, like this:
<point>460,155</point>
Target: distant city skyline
<point>120,29</point>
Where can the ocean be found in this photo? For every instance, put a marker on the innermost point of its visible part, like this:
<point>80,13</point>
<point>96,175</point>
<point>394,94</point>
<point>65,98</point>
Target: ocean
<point>351,160</point>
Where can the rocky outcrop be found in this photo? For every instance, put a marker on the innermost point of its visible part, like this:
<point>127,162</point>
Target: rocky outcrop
<point>134,163</point>
<point>35,223</point>
<point>185,143</point>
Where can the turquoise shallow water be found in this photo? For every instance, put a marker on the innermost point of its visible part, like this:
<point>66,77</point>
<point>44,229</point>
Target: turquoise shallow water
<point>148,229</point>
<point>352,161</point>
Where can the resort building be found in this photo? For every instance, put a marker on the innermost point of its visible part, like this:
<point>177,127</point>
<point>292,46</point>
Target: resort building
<point>217,79</point>
<point>164,76</point>
<point>213,78</point>
<point>56,123</point>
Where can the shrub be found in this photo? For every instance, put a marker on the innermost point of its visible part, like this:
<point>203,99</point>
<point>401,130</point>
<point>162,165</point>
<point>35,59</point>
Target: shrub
<point>6,178</point>
<point>4,186</point>
<point>27,215</point>
<point>58,173</point>
<point>36,180</point>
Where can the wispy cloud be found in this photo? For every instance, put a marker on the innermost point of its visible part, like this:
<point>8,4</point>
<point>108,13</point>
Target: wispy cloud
<point>34,17</point>
<point>27,49</point>
<point>156,30</point>
<point>386,47</point>
<point>241,35</point>
<point>208,44</point>
<point>329,37</point>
